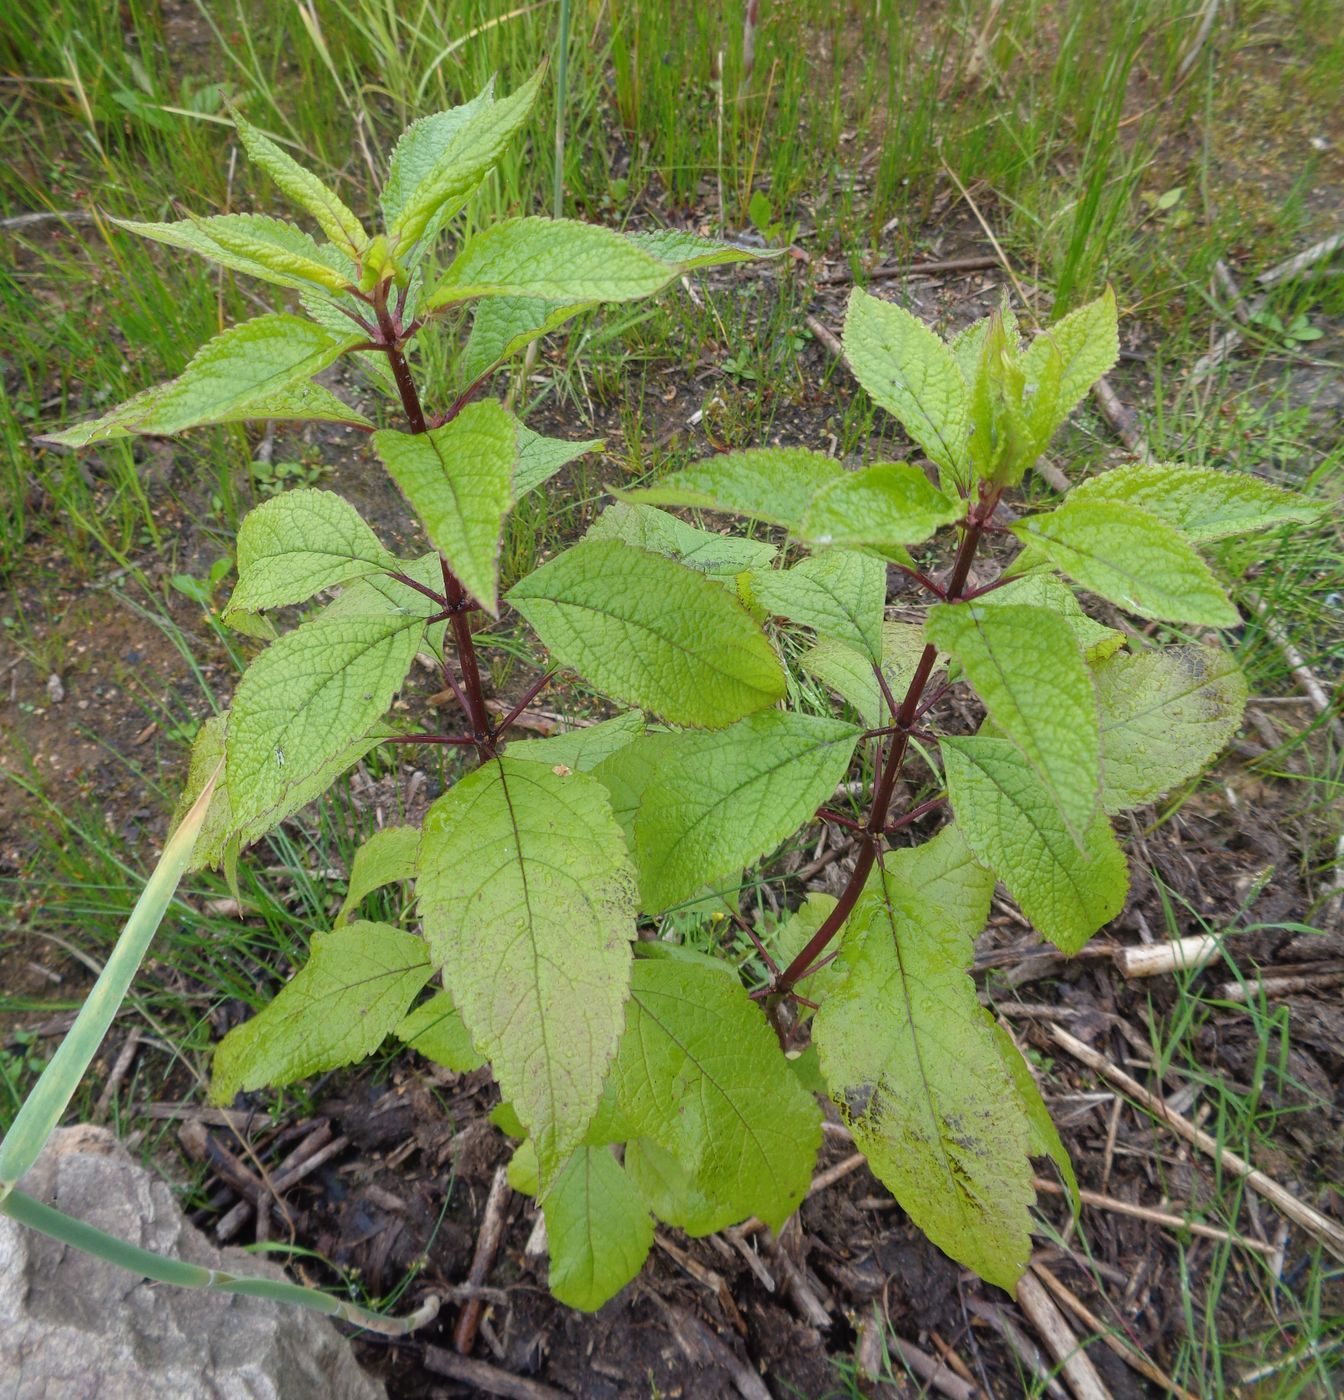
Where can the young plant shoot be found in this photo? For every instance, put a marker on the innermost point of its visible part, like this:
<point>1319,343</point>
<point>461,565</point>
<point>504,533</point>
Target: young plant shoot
<point>646,1080</point>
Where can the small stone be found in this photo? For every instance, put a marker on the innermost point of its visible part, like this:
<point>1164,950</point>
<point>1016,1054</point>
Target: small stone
<point>55,690</point>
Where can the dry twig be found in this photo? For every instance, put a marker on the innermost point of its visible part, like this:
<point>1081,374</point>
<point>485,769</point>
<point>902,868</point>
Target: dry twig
<point>487,1245</point>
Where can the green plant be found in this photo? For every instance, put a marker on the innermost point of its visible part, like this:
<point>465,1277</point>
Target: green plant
<point>533,869</point>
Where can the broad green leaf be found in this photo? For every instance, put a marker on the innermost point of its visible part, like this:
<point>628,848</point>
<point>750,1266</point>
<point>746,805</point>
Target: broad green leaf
<point>669,1190</point>
<point>840,594</point>
<point>891,503</point>
<point>459,481</point>
<point>700,1073</point>
<point>385,858</point>
<point>353,990</point>
<point>908,371</point>
<point>1010,822</point>
<point>502,326</point>
<point>1164,715</point>
<point>439,161</point>
<point>527,898</point>
<point>539,458</point>
<point>1046,591</point>
<point>556,260</point>
<point>1131,558</point>
<point>625,773</point>
<point>719,800</point>
<point>436,1030</point>
<point>1203,504</point>
<point>850,673</point>
<point>774,484</point>
<point>378,595</point>
<point>1065,360</point>
<point>255,370</point>
<point>524,1172</point>
<point>915,1070</point>
<point>721,556</point>
<point>304,188</point>
<point>269,249</point>
<point>1043,1138</point>
<point>308,697</point>
<point>297,544</point>
<point>326,310</point>
<point>967,345</point>
<point>598,1228</point>
<point>1027,667</point>
<point>582,749</point>
<point>651,632</point>
<point>686,251</point>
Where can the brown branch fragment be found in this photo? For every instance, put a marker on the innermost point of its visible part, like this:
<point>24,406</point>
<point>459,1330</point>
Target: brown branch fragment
<point>487,1246</point>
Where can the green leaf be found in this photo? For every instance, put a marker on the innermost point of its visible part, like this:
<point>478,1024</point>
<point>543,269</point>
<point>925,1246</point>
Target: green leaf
<point>669,1190</point>
<point>539,458</point>
<point>774,484</point>
<point>354,988</point>
<point>304,188</point>
<point>440,160</point>
<point>1203,504</point>
<point>1131,558</point>
<point>908,371</point>
<point>915,1070</point>
<point>255,370</point>
<point>272,250</point>
<point>502,326</point>
<point>719,800</point>
<point>850,673</point>
<point>598,1227</point>
<point>1065,360</point>
<point>700,1073</point>
<point>386,857</point>
<point>527,898</point>
<point>686,251</point>
<point>652,633</point>
<point>556,260</point>
<point>891,503</point>
<point>1009,821</point>
<point>309,696</point>
<point>436,1030</point>
<point>380,595</point>
<point>582,749</point>
<point>1046,591</point>
<point>1164,715</point>
<point>297,544</point>
<point>459,481</point>
<point>720,556</point>
<point>1027,667</point>
<point>1043,1138</point>
<point>840,594</point>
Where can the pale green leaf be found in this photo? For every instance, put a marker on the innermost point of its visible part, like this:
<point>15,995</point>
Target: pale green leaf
<point>651,632</point>
<point>386,857</point>
<point>523,1172</point>
<point>598,1228</point>
<point>304,188</point>
<point>325,309</point>
<point>908,371</point>
<point>297,544</point>
<point>967,345</point>
<point>1131,558</point>
<point>916,1072</point>
<point>527,898</point>
<point>891,503</point>
<point>840,594</point>
<point>686,251</point>
<point>1065,360</point>
<point>1164,715</point>
<point>459,481</point>
<point>1043,1138</point>
<point>582,749</point>
<point>721,556</point>
<point>353,990</point>
<point>556,260</point>
<point>793,935</point>
<point>379,595</point>
<point>439,161</point>
<point>850,673</point>
<point>1027,667</point>
<point>669,1190</point>
<point>539,458</point>
<point>719,800</point>
<point>502,326</point>
<point>436,1030</point>
<point>1202,503</point>
<point>255,370</point>
<point>774,484</point>
<point>1010,822</point>
<point>1044,590</point>
<point>700,1073</point>
<point>308,697</point>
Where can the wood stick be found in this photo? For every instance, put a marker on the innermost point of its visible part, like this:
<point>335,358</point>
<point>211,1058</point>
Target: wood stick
<point>1059,1340</point>
<point>701,1347</point>
<point>1318,252</point>
<point>1026,1351</point>
<point>936,1373</point>
<point>488,1379</point>
<point>1308,1217</point>
<point>1281,986</point>
<point>826,336</point>
<point>977,263</point>
<point>487,1246</point>
<point>1302,673</point>
<point>1121,419</point>
<point>800,1291</point>
<point>119,1068</point>
<point>1154,959</point>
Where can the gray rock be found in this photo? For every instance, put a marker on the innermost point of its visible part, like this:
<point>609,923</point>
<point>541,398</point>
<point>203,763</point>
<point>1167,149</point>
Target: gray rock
<point>75,1328</point>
